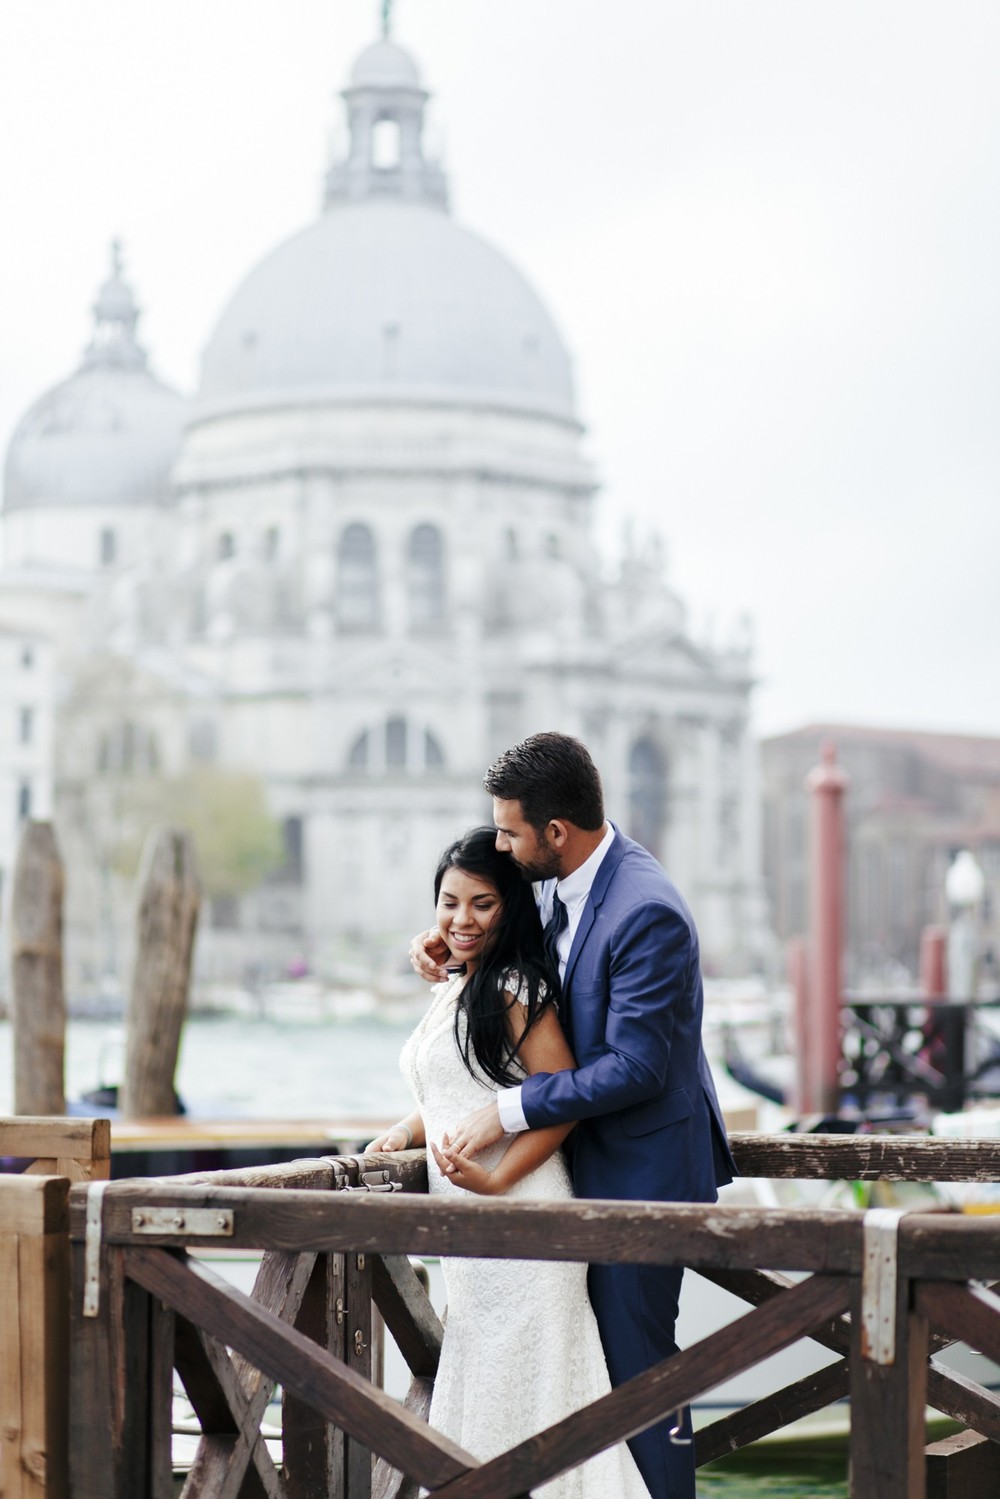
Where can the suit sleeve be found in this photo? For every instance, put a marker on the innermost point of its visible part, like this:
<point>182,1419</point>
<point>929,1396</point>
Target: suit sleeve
<point>651,955</point>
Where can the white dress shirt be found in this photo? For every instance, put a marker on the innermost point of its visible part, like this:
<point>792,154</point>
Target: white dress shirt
<point>573,892</point>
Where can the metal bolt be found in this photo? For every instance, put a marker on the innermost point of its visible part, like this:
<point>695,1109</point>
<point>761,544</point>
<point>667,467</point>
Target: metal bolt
<point>361,1262</point>
<point>359,1343</point>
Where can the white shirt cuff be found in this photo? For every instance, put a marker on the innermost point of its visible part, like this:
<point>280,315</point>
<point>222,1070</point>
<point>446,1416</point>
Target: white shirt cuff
<point>511,1113</point>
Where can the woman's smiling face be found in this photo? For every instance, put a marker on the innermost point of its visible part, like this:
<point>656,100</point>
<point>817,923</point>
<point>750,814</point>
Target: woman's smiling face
<point>468,910</point>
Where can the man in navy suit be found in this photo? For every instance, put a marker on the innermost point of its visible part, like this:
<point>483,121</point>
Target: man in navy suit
<point>649,1123</point>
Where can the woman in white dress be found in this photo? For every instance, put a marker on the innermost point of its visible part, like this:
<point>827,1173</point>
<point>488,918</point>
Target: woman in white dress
<point>521,1349</point>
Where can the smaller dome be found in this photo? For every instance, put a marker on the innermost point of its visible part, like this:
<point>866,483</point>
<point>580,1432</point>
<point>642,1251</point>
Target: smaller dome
<point>384,65</point>
<point>110,433</point>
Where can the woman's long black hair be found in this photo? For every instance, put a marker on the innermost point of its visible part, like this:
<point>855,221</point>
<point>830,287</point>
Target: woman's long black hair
<point>515,958</point>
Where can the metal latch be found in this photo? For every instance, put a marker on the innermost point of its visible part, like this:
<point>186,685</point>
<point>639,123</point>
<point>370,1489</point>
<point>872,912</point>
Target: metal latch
<point>878,1284</point>
<point>377,1181</point>
<point>205,1223</point>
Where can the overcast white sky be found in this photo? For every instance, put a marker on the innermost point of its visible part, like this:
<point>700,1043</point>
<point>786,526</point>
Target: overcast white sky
<point>768,229</point>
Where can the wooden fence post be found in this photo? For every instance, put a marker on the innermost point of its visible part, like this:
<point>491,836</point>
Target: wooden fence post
<point>39,1007</point>
<point>314,1450</point>
<point>888,1404</point>
<point>34,1334</point>
<point>167,919</point>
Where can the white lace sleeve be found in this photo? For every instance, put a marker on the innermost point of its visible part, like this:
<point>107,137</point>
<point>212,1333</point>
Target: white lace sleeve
<point>516,987</point>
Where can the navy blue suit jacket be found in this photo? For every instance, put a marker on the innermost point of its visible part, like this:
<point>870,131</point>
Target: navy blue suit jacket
<point>650,1124</point>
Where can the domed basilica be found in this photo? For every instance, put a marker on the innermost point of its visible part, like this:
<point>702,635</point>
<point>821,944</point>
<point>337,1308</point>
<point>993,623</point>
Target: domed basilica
<point>359,563</point>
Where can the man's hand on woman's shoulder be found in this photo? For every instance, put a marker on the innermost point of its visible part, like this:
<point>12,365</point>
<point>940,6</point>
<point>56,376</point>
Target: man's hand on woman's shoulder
<point>428,954</point>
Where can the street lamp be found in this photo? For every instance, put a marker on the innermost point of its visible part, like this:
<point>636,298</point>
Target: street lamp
<point>963,885</point>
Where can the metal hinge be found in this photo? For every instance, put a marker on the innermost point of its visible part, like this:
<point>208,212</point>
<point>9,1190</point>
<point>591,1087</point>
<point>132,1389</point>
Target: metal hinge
<point>206,1223</point>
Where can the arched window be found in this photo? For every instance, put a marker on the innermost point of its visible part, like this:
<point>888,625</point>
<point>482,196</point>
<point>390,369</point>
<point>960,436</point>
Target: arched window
<point>395,744</point>
<point>225,546</point>
<point>128,749</point>
<point>357,579</point>
<point>647,795</point>
<point>358,757</point>
<point>425,576</point>
<point>398,746</point>
<point>385,144</point>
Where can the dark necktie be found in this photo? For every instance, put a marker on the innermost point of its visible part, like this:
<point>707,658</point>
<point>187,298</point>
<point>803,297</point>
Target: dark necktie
<point>554,928</point>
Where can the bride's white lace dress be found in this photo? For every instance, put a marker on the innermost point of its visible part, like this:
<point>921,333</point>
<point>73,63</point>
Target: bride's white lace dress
<point>521,1349</point>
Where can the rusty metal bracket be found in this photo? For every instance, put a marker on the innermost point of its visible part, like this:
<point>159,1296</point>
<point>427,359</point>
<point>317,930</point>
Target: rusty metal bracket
<point>206,1223</point>
<point>878,1284</point>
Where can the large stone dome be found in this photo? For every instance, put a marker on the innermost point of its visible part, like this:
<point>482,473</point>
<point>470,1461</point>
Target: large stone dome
<point>386,297</point>
<point>106,436</point>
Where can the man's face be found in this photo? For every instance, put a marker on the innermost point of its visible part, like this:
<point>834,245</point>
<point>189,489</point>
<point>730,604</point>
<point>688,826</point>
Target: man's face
<point>532,852</point>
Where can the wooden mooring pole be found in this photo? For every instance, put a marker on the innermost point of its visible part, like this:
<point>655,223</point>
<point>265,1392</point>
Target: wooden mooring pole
<point>39,1005</point>
<point>167,920</point>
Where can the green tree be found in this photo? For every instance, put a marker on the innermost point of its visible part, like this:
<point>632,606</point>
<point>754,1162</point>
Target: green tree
<point>238,840</point>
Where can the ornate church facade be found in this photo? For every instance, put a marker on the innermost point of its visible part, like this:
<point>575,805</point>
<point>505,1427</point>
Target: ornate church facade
<point>357,564</point>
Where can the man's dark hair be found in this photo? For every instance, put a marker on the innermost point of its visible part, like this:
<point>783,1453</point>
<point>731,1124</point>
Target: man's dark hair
<point>551,775</point>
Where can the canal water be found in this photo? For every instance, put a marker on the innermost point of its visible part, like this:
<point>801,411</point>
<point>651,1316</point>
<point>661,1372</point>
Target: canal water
<point>271,1067</point>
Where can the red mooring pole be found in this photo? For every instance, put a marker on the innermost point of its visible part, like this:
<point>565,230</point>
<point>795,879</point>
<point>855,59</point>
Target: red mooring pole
<point>934,962</point>
<point>826,785</point>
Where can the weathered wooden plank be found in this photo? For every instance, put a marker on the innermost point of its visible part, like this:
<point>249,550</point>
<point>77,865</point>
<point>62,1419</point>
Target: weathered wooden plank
<point>964,1400</point>
<point>43,1312</point>
<point>761,1417</point>
<point>38,1005</point>
<point>231,1457</point>
<point>964,1466</point>
<point>97,1379</point>
<point>888,1402</point>
<point>358,1354</point>
<point>335,1390</point>
<point>249,1466</point>
<point>408,1313</point>
<point>161,1369</point>
<point>166,919</point>
<point>642,1401</point>
<point>949,1246</point>
<point>84,1140</point>
<point>866,1157</point>
<point>388,1482</point>
<point>10,1368</point>
<point>33,1204</point>
<point>280,1285</point>
<point>966,1312</point>
<point>313,1448</point>
<point>808,1239</point>
<point>760,1286</point>
<point>304,1175</point>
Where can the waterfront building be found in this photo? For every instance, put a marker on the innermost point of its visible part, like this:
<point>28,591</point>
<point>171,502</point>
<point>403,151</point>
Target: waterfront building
<point>359,563</point>
<point>913,801</point>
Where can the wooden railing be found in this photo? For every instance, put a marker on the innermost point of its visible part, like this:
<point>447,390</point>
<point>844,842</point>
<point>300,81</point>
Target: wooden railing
<point>885,1293</point>
<point>34,1295</point>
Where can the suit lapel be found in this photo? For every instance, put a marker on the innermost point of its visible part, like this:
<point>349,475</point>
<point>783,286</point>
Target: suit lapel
<point>602,879</point>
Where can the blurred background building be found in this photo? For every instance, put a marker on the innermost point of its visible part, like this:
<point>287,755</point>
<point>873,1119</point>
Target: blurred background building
<point>915,800</point>
<point>310,604</point>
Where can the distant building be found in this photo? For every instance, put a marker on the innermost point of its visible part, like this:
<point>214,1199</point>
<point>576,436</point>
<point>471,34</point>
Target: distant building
<point>360,563</point>
<point>914,800</point>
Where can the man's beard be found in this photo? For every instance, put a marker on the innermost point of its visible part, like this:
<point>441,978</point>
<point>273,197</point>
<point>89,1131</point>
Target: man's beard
<point>544,865</point>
